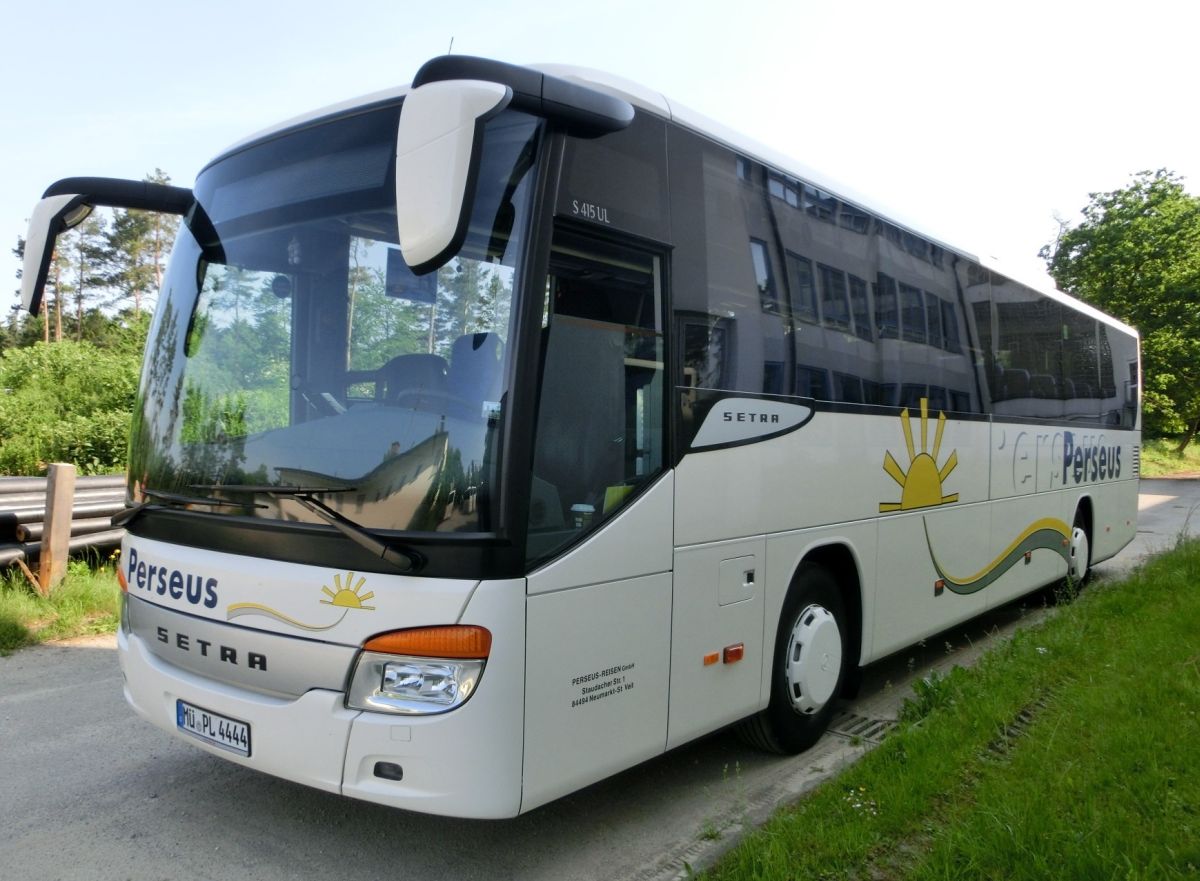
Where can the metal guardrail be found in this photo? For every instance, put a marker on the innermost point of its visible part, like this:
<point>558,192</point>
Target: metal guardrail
<point>23,515</point>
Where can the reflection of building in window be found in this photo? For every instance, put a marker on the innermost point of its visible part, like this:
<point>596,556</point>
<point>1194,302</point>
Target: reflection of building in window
<point>819,204</point>
<point>887,310</point>
<point>933,316</point>
<point>849,388</point>
<point>804,291</point>
<point>834,308</point>
<point>950,335</point>
<point>916,246</point>
<point>706,351</point>
<point>773,378</point>
<point>763,277</point>
<point>853,219</point>
<point>860,308</point>
<point>912,309</point>
<point>812,382</point>
<point>1029,347</point>
<point>787,190</point>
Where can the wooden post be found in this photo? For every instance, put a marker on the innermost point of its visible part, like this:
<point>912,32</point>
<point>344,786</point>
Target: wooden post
<point>56,539</point>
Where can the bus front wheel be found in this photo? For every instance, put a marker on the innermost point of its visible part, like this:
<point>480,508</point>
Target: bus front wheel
<point>808,668</point>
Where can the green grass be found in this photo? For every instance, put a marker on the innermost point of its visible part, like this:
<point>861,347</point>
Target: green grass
<point>1072,751</point>
<point>1159,459</point>
<point>84,603</point>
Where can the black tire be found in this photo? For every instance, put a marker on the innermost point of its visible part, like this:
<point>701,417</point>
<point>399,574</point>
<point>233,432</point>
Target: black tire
<point>783,727</point>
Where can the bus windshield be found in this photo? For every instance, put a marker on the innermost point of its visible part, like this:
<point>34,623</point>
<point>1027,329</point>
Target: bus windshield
<point>293,348</point>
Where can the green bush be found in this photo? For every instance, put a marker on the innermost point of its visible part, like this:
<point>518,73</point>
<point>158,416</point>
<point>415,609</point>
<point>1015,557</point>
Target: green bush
<point>66,402</point>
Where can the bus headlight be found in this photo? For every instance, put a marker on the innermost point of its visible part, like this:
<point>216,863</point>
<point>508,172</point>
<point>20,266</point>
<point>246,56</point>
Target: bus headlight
<point>419,671</point>
<point>391,684</point>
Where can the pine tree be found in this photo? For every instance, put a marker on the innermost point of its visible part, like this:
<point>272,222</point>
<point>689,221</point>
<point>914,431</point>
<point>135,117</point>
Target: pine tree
<point>137,244</point>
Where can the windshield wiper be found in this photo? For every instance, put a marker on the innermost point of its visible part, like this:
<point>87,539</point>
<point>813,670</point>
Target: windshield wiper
<point>405,561</point>
<point>158,497</point>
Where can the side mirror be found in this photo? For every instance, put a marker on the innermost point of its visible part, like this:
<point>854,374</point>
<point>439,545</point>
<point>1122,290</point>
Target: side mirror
<point>437,164</point>
<point>67,203</point>
<point>51,216</point>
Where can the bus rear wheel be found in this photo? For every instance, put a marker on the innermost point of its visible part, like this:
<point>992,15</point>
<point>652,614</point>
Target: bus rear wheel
<point>808,667</point>
<point>1080,563</point>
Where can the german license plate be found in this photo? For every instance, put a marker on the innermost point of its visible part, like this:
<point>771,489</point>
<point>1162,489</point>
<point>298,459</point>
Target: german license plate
<point>213,728</point>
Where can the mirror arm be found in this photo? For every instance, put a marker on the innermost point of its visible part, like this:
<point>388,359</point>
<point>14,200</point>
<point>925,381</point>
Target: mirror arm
<point>68,202</point>
<point>582,111</point>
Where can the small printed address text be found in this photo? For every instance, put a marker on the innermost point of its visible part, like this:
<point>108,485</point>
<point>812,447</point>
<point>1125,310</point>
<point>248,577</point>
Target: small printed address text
<point>601,684</point>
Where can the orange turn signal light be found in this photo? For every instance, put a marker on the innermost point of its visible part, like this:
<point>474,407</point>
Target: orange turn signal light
<point>121,580</point>
<point>451,641</point>
<point>711,658</point>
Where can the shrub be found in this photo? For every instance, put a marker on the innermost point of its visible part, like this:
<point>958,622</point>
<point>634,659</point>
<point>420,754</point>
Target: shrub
<point>66,402</point>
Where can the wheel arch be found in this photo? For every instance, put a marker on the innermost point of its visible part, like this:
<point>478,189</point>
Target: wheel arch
<point>1083,506</point>
<point>840,561</point>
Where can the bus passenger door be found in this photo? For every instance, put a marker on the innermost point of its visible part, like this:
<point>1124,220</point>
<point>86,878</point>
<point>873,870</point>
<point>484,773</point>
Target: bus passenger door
<point>600,521</point>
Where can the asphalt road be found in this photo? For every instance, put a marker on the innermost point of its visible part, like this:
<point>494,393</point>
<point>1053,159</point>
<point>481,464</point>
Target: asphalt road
<point>90,791</point>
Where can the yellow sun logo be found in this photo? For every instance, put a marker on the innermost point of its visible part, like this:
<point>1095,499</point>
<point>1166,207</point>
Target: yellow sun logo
<point>921,485</point>
<point>347,596</point>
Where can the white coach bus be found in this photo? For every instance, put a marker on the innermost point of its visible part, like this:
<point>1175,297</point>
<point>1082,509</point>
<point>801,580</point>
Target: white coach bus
<point>508,429</point>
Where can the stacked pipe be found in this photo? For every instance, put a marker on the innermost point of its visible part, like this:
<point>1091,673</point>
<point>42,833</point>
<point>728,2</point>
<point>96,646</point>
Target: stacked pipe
<point>23,515</point>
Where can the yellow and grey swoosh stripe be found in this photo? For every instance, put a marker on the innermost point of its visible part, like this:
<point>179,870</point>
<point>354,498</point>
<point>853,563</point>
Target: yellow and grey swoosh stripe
<point>1049,533</point>
<point>236,610</point>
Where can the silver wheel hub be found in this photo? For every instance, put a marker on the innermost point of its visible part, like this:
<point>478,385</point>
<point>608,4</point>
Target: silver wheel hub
<point>1078,565</point>
<point>814,659</point>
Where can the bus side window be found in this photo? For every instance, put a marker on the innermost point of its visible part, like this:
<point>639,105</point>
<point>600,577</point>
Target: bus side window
<point>599,433</point>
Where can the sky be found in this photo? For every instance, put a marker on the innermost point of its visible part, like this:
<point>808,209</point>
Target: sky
<point>980,124</point>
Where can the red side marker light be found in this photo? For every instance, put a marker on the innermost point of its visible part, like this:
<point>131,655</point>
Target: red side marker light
<point>938,587</point>
<point>734,653</point>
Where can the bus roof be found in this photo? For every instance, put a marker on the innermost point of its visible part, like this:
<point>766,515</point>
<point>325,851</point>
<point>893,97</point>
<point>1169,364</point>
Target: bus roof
<point>658,104</point>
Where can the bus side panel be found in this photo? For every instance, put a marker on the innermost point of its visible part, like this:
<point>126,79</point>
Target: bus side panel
<point>597,677</point>
<point>828,471</point>
<point>636,542</point>
<point>467,762</point>
<point>717,607</point>
<point>913,547</point>
<point>1044,561</point>
<point>1115,507</point>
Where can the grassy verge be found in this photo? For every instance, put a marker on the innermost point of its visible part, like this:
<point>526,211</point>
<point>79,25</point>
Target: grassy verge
<point>1072,751</point>
<point>1159,459</point>
<point>85,602</point>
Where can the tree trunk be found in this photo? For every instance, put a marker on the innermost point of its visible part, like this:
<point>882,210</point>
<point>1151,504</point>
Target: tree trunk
<point>57,304</point>
<point>1193,429</point>
<point>79,297</point>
